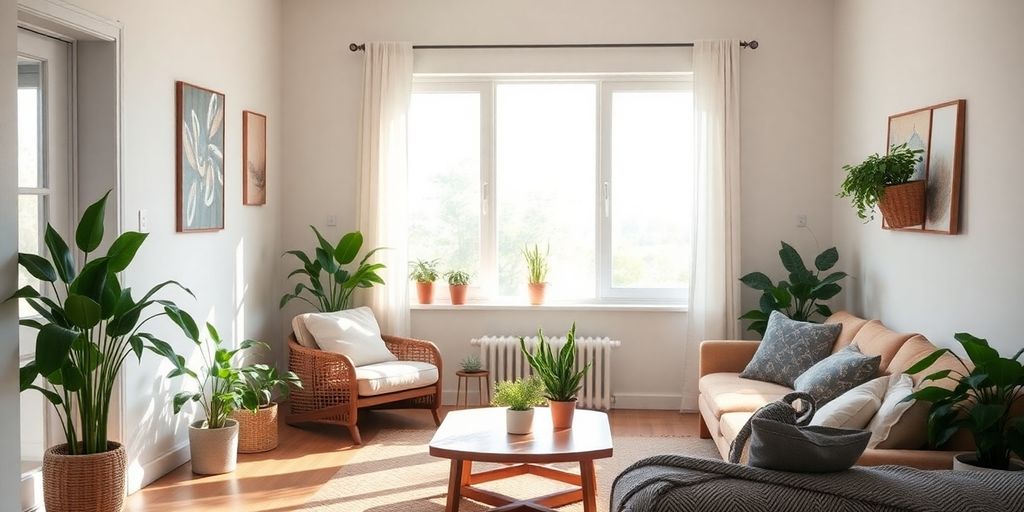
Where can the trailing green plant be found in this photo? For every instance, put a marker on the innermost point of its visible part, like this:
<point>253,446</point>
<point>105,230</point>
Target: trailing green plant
<point>561,381</point>
<point>520,394</point>
<point>330,285</point>
<point>536,263</point>
<point>798,298</point>
<point>865,182</point>
<point>89,326</point>
<point>457,277</point>
<point>981,401</point>
<point>471,364</point>
<point>423,271</point>
<point>220,385</point>
<point>261,380</point>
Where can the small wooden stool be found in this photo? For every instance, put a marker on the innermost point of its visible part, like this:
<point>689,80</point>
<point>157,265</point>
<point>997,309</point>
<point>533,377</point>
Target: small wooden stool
<point>481,381</point>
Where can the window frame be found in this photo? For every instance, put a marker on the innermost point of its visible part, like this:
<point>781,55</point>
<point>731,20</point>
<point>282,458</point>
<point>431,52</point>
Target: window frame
<point>484,288</point>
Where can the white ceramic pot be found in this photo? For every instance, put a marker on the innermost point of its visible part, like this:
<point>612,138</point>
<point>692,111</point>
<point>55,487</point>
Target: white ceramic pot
<point>214,450</point>
<point>519,422</point>
<point>967,462</point>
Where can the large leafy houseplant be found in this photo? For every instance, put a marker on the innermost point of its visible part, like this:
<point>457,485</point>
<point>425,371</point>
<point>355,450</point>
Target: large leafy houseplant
<point>89,326</point>
<point>798,298</point>
<point>981,401</point>
<point>866,182</point>
<point>331,285</point>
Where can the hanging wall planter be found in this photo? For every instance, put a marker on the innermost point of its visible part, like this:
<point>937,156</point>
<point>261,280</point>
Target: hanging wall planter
<point>903,205</point>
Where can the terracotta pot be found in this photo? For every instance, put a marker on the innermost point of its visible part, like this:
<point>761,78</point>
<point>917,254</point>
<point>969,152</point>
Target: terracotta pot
<point>425,292</point>
<point>537,293</point>
<point>968,462</point>
<point>562,413</point>
<point>458,293</point>
<point>257,431</point>
<point>519,422</point>
<point>214,450</point>
<point>72,483</point>
<point>903,205</point>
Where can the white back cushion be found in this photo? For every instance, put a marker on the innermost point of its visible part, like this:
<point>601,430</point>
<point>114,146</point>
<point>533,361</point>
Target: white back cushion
<point>892,409</point>
<point>352,332</point>
<point>302,335</point>
<point>854,408</point>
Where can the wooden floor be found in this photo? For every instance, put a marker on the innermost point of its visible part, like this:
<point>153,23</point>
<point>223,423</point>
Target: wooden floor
<point>283,479</point>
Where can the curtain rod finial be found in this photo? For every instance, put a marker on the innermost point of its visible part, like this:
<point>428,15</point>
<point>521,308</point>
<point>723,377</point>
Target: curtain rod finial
<point>353,47</point>
<point>750,44</point>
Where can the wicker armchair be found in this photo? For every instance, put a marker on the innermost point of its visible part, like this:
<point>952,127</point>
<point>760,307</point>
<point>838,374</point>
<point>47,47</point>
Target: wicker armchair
<point>330,392</point>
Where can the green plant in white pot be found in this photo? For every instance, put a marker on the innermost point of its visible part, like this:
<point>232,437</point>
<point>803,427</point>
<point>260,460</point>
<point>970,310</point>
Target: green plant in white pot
<point>88,326</point>
<point>520,397</point>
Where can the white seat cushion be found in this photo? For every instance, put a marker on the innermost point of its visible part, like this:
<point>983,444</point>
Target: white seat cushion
<point>392,376</point>
<point>352,332</point>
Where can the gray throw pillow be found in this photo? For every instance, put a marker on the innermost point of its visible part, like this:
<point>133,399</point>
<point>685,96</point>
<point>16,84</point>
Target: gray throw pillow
<point>837,374</point>
<point>814,449</point>
<point>789,348</point>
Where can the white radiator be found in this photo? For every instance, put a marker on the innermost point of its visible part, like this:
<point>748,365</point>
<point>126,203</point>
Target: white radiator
<point>503,357</point>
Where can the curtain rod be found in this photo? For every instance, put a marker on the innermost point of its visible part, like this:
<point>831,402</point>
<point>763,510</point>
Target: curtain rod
<point>361,47</point>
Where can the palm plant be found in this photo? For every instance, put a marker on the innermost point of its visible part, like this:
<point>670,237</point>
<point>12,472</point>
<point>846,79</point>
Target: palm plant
<point>89,326</point>
<point>536,263</point>
<point>330,285</point>
<point>561,381</point>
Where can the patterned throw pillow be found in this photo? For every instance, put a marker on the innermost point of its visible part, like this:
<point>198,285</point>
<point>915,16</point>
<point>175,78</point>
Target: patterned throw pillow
<point>789,348</point>
<point>838,373</point>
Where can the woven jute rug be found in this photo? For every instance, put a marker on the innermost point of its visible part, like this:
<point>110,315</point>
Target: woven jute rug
<point>394,473</point>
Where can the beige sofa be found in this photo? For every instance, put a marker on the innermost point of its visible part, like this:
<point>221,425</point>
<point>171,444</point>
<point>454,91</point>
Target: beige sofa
<point>726,400</point>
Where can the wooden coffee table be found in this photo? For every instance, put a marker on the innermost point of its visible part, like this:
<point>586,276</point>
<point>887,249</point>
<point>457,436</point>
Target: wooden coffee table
<point>479,435</point>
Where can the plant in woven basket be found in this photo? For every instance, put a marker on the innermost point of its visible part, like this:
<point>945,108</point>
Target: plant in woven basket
<point>866,182</point>
<point>981,401</point>
<point>472,364</point>
<point>519,394</point>
<point>330,285</point>
<point>261,381</point>
<point>798,298</point>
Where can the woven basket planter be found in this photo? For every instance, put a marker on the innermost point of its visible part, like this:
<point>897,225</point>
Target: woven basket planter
<point>903,205</point>
<point>214,450</point>
<point>257,431</point>
<point>79,483</point>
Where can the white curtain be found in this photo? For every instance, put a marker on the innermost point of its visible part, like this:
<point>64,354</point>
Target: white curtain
<point>714,284</point>
<point>383,189</point>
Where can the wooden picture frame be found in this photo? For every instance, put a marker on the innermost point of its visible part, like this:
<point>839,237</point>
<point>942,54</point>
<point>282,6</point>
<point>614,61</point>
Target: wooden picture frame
<point>199,147</point>
<point>254,158</point>
<point>938,130</point>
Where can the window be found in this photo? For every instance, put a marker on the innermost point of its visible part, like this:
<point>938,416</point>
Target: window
<point>596,169</point>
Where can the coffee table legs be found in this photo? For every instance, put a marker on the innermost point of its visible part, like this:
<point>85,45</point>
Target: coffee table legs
<point>455,477</point>
<point>589,477</point>
<point>461,478</point>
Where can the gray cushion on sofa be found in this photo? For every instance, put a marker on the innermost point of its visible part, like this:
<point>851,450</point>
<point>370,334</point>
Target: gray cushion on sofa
<point>789,348</point>
<point>837,374</point>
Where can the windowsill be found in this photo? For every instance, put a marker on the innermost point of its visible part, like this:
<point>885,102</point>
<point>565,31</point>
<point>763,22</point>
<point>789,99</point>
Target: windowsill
<point>567,306</point>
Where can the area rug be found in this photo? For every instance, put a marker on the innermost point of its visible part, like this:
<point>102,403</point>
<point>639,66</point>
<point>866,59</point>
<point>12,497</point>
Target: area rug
<point>394,473</point>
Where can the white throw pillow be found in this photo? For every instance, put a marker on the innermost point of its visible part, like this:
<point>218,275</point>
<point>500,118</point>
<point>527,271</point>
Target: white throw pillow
<point>892,409</point>
<point>854,408</point>
<point>352,332</point>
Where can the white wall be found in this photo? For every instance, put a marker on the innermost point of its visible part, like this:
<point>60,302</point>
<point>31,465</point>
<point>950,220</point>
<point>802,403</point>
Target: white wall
<point>786,115</point>
<point>892,57</point>
<point>10,453</point>
<point>233,47</point>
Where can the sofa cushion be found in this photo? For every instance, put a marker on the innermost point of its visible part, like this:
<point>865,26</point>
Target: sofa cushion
<point>854,408</point>
<point>302,335</point>
<point>875,339</point>
<point>851,326</point>
<point>731,423</point>
<point>728,392</point>
<point>912,351</point>
<point>789,348</point>
<point>837,374</point>
<point>893,409</point>
<point>352,332</point>
<point>392,376</point>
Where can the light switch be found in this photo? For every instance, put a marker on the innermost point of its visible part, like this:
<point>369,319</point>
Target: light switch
<point>332,220</point>
<point>143,221</point>
<point>801,220</point>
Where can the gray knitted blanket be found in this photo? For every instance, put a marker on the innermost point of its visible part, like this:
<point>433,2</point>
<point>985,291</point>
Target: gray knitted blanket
<point>674,483</point>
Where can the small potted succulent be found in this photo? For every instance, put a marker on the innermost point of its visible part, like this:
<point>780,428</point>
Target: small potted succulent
<point>520,397</point>
<point>537,269</point>
<point>424,272</point>
<point>885,181</point>
<point>257,421</point>
<point>981,401</point>
<point>561,381</point>
<point>472,364</point>
<point>458,282</point>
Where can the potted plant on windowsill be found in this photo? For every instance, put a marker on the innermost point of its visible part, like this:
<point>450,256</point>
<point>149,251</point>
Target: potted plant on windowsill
<point>331,285</point>
<point>885,181</point>
<point>458,282</point>
<point>257,420</point>
<point>89,326</point>
<point>520,397</point>
<point>537,269</point>
<point>981,401</point>
<point>561,381</point>
<point>424,272</point>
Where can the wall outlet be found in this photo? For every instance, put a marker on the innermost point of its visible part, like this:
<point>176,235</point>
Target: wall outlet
<point>332,220</point>
<point>801,220</point>
<point>143,221</point>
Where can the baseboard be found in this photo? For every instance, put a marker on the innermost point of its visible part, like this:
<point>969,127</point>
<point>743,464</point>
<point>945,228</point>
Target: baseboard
<point>655,401</point>
<point>141,476</point>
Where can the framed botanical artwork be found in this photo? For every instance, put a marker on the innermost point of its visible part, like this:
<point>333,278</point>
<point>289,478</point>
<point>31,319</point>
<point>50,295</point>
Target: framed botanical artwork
<point>199,131</point>
<point>254,158</point>
<point>938,131</point>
